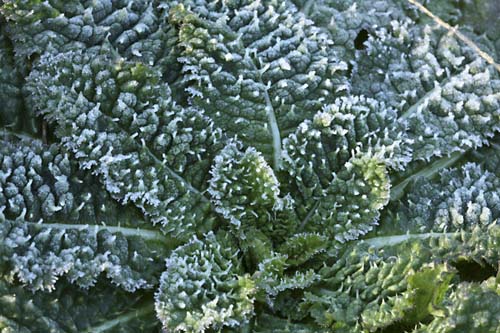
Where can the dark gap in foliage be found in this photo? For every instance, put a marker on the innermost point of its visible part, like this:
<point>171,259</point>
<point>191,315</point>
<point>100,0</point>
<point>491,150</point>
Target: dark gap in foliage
<point>402,327</point>
<point>397,328</point>
<point>472,271</point>
<point>250,262</point>
<point>394,328</point>
<point>361,38</point>
<point>32,59</point>
<point>350,68</point>
<point>287,305</point>
<point>46,131</point>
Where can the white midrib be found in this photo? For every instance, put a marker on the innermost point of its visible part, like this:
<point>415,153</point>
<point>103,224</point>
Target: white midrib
<point>107,325</point>
<point>271,119</point>
<point>379,242</point>
<point>429,171</point>
<point>414,108</point>
<point>275,131</point>
<point>177,177</point>
<point>129,232</point>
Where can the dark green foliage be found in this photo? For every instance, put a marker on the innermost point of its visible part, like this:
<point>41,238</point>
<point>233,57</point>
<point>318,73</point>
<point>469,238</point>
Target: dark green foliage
<point>248,166</point>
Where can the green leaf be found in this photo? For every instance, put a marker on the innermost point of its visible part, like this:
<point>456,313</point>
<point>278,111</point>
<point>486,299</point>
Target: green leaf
<point>448,94</point>
<point>204,287</point>
<point>257,68</point>
<point>245,190</point>
<point>120,121</point>
<point>425,292</point>
<point>55,221</point>
<point>379,282</point>
<point>349,207</point>
<point>70,310</point>
<point>472,307</point>
<point>457,199</point>
<point>337,166</point>
<point>302,247</point>
<point>272,278</point>
<point>13,115</point>
<point>138,29</point>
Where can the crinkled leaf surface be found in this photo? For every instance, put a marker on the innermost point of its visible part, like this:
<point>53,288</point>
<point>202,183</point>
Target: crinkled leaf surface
<point>52,226</point>
<point>67,309</point>
<point>258,67</point>
<point>249,166</point>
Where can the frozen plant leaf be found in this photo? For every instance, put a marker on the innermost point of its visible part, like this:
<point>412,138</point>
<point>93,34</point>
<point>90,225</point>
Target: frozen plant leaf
<point>70,310</point>
<point>376,283</point>
<point>302,166</point>
<point>55,222</point>
<point>137,29</point>
<point>204,287</point>
<point>448,94</point>
<point>458,199</point>
<point>13,115</point>
<point>472,307</point>
<point>120,121</point>
<point>257,68</point>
